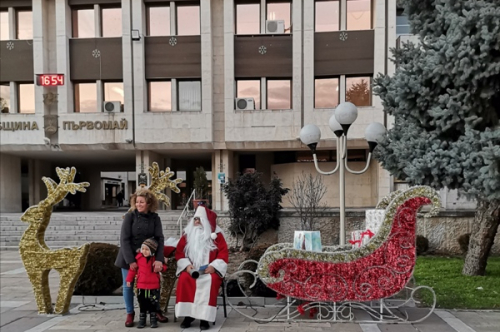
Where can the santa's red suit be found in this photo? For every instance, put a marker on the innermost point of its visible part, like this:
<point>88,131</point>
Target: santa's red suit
<point>197,298</point>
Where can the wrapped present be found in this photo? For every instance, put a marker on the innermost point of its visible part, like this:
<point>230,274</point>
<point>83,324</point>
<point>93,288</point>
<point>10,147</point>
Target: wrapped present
<point>360,237</point>
<point>307,240</point>
<point>373,219</point>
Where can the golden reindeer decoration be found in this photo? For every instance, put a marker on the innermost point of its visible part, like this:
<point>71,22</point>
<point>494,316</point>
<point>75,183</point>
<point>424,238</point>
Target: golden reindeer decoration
<point>160,180</point>
<point>39,259</point>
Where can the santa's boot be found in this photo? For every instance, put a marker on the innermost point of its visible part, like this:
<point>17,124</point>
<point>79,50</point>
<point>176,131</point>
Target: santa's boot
<point>204,325</point>
<point>152,320</point>
<point>186,322</point>
<point>142,320</point>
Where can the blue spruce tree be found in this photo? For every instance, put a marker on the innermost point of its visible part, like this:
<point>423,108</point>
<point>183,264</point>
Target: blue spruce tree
<point>445,99</point>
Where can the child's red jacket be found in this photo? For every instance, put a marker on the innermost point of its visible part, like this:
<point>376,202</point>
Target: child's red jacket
<point>146,278</point>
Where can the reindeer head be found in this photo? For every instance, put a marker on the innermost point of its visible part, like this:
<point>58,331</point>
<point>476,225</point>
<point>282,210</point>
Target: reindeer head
<point>160,180</point>
<point>55,193</point>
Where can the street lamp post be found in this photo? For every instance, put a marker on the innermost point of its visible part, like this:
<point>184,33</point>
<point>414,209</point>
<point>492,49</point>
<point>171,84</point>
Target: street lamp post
<point>345,115</point>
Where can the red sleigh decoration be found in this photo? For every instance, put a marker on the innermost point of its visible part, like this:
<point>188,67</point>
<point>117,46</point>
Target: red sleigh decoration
<point>375,271</point>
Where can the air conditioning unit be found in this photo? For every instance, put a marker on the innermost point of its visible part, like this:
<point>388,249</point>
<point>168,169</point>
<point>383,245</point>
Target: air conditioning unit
<point>275,26</point>
<point>245,104</point>
<point>112,106</point>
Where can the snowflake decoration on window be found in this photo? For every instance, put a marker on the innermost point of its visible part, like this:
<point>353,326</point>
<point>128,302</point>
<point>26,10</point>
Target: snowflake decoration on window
<point>172,41</point>
<point>96,53</point>
<point>343,36</point>
<point>262,50</point>
<point>10,46</point>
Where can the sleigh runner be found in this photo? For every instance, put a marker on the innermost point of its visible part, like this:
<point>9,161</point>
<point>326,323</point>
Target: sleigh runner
<point>339,279</point>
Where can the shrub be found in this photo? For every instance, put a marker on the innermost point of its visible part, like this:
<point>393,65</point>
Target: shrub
<point>463,242</point>
<point>253,208</point>
<point>100,276</point>
<point>422,244</point>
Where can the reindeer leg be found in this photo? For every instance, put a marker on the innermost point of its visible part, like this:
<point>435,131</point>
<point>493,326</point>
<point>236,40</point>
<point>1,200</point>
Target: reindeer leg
<point>68,280</point>
<point>40,282</point>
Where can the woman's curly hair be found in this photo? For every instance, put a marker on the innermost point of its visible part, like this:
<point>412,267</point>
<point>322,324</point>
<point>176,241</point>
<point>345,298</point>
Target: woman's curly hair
<point>151,200</point>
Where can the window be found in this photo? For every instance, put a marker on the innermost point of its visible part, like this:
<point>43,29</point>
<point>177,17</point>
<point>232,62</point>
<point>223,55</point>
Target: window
<point>326,92</point>
<point>24,24</point>
<point>358,91</point>
<point>4,97</point>
<point>86,97</point>
<point>359,16</point>
<point>113,91</point>
<point>111,22</point>
<point>327,16</point>
<point>83,23</point>
<point>189,95</point>
<point>280,11</point>
<point>160,96</point>
<point>402,25</point>
<point>158,21</point>
<point>4,25</point>
<point>249,89</point>
<point>279,94</point>
<point>247,19</point>
<point>26,98</point>
<point>188,20</point>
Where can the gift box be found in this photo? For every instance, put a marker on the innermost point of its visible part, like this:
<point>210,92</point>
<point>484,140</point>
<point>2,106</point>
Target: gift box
<point>360,237</point>
<point>373,219</point>
<point>307,240</point>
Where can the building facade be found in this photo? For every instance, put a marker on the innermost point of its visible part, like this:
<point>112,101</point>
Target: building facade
<point>223,84</point>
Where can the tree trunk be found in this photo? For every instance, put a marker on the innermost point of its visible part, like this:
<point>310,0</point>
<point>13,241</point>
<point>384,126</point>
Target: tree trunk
<point>483,233</point>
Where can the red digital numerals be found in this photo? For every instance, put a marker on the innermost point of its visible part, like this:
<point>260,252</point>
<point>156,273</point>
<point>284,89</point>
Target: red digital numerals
<point>50,79</point>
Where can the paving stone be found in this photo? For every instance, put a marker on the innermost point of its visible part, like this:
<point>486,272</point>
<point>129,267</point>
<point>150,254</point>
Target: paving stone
<point>22,324</point>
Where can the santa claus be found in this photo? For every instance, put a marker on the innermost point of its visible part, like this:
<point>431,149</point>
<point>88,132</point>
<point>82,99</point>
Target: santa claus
<point>201,264</point>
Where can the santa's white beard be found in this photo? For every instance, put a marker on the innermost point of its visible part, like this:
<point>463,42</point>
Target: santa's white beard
<point>198,245</point>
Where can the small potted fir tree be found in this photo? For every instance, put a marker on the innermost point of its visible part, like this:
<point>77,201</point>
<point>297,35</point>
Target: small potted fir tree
<point>200,184</point>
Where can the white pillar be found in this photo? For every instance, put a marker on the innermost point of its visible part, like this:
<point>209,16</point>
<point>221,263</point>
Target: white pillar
<point>222,162</point>
<point>97,21</point>
<point>343,15</point>
<point>14,98</point>
<point>263,15</point>
<point>206,58</point>
<point>65,102</point>
<point>308,58</point>
<point>12,23</point>
<point>138,60</point>
<point>263,93</point>
<point>379,56</point>
<point>228,62</point>
<point>100,95</point>
<point>40,60</point>
<point>127,55</point>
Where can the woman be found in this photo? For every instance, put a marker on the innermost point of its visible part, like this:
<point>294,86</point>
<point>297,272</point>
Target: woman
<point>141,223</point>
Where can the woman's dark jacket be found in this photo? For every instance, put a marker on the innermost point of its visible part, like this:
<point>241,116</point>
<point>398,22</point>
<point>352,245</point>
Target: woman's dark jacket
<point>136,228</point>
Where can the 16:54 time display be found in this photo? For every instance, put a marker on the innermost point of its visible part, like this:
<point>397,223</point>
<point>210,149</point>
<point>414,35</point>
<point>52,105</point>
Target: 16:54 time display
<point>50,79</point>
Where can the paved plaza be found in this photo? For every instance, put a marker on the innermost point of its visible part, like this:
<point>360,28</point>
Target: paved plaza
<point>19,313</point>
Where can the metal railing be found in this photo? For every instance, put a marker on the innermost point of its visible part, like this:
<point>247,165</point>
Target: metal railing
<point>186,211</point>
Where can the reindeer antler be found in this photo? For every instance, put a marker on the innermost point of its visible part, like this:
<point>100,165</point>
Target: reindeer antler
<point>160,180</point>
<point>57,191</point>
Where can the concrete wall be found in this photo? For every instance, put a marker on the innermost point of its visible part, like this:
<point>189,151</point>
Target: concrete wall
<point>358,187</point>
<point>10,183</point>
<point>442,231</point>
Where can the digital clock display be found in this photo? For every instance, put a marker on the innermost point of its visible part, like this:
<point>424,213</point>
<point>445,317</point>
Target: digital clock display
<point>50,79</point>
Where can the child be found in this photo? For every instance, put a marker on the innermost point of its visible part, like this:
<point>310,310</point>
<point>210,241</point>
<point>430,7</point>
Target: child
<point>148,282</point>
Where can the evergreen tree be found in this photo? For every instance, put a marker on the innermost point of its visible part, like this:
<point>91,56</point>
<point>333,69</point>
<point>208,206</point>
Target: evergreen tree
<point>253,208</point>
<point>445,99</point>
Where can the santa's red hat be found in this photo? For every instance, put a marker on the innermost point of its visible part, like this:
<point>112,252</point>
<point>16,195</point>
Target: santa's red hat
<point>211,216</point>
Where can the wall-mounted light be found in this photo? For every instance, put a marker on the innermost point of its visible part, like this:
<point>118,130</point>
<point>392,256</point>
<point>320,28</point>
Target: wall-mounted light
<point>136,35</point>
